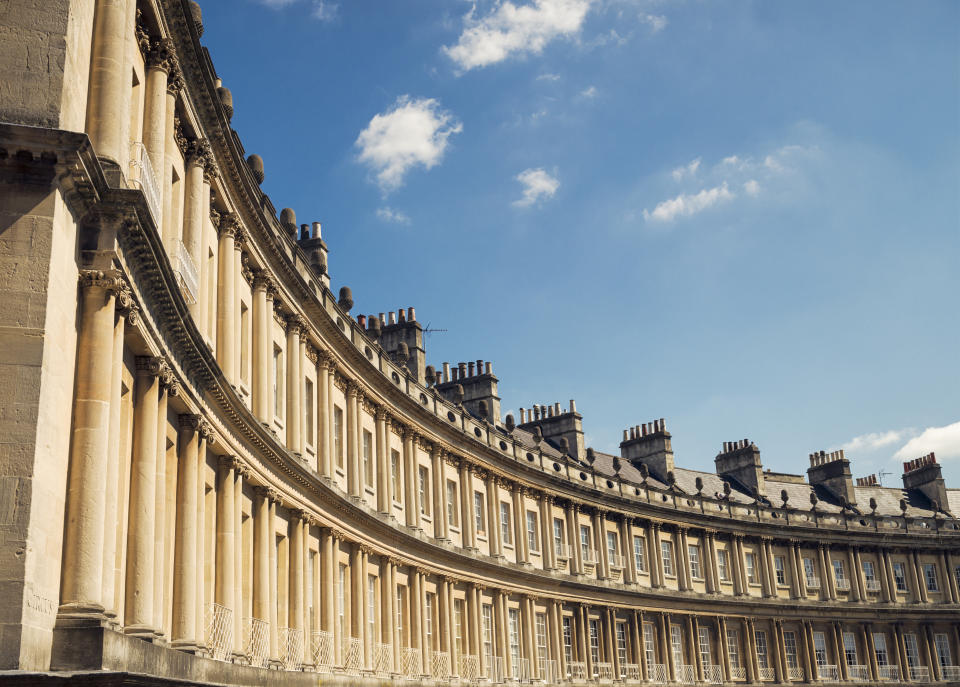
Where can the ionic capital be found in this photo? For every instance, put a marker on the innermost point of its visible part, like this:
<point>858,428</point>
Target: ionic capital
<point>149,366</point>
<point>109,280</point>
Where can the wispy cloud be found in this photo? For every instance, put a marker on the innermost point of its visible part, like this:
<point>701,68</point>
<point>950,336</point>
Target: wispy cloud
<point>944,441</point>
<point>752,187</point>
<point>388,214</point>
<point>874,440</point>
<point>537,185</point>
<point>686,205</point>
<point>413,132</point>
<point>656,22</point>
<point>589,93</point>
<point>324,10</point>
<point>548,77</point>
<point>510,30</point>
<point>684,171</point>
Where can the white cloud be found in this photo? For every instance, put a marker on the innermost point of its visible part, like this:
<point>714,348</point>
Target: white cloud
<point>512,29</point>
<point>388,214</point>
<point>538,184</point>
<point>656,22</point>
<point>325,11</point>
<point>944,441</point>
<point>874,440</point>
<point>414,131</point>
<point>548,77</point>
<point>686,205</point>
<point>277,4</point>
<point>589,93</point>
<point>686,170</point>
<point>752,187</point>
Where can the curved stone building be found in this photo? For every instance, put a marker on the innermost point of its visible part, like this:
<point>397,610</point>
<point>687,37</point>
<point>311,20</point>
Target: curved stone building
<point>212,471</point>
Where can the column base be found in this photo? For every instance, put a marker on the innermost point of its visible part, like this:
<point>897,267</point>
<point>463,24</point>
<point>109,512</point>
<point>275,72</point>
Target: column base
<point>141,632</point>
<point>83,611</point>
<point>187,646</point>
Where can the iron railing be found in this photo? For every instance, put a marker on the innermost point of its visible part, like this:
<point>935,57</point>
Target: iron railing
<point>686,675</point>
<point>920,673</point>
<point>658,673</point>
<point>577,670</point>
<point>520,669</point>
<point>616,561</point>
<point>185,270</point>
<point>603,671</point>
<point>588,556</point>
<point>630,672</point>
<point>141,175</point>
<point>950,672</point>
<point>713,674</point>
<point>322,650</point>
<point>290,645</point>
<point>872,586</point>
<point>888,672</point>
<point>353,655</point>
<point>828,672</point>
<point>549,671</point>
<point>496,669</point>
<point>411,663</point>
<point>843,584</point>
<point>813,582</point>
<point>382,659</point>
<point>858,672</point>
<point>256,640</point>
<point>767,674</point>
<point>469,668</point>
<point>795,673</point>
<point>219,631</point>
<point>738,673</point>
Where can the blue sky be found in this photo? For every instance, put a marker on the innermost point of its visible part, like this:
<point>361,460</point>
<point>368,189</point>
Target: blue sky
<point>742,217</point>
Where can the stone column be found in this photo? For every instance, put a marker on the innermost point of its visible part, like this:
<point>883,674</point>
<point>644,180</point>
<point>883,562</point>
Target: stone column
<point>227,299</point>
<point>384,481</point>
<point>161,61</point>
<point>273,568</point>
<point>328,581</point>
<point>724,649</point>
<point>411,504</point>
<point>324,420</point>
<point>921,581</point>
<point>777,650</point>
<point>138,605</point>
<point>691,631</point>
<point>749,650</point>
<point>239,564</point>
<point>262,535</point>
<point>609,627</point>
<point>297,567</point>
<point>826,563</point>
<point>195,194</point>
<point>174,145</point>
<point>473,613</point>
<point>641,655</point>
<point>547,553</point>
<point>468,532</point>
<point>931,651</point>
<point>354,476</point>
<point>262,313</point>
<point>656,559</point>
<point>357,592</point>
<point>109,95</point>
<point>667,647</point>
<point>425,642</point>
<point>736,552</point>
<point>366,635</point>
<point>952,585</point>
<point>625,528</point>
<point>493,504</point>
<point>301,417</point>
<point>168,387</point>
<point>858,574</point>
<point>599,520</point>
<point>437,493</point>
<point>81,593</point>
<point>574,555</point>
<point>841,656</point>
<point>710,562</point>
<point>112,569</point>
<point>185,633</point>
<point>521,545</point>
<point>388,614</point>
<point>444,628</point>
<point>867,635</point>
<point>769,573</point>
<point>801,573</point>
<point>855,593</point>
<point>413,609</point>
<point>683,560</point>
<point>795,571</point>
<point>294,380</point>
<point>225,580</point>
<point>394,627</point>
<point>809,664</point>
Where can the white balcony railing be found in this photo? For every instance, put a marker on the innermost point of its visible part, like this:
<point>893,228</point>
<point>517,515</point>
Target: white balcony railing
<point>549,670</point>
<point>858,672</point>
<point>603,671</point>
<point>469,668</point>
<point>321,648</point>
<point>686,675</point>
<point>630,672</point>
<point>141,176</point>
<point>843,584</point>
<point>496,669</point>
<point>382,659</point>
<point>767,674</point>
<point>352,660</point>
<point>920,673</point>
<point>561,551</point>
<point>828,672</point>
<point>219,631</point>
<point>617,561</point>
<point>713,674</point>
<point>888,672</point>
<point>658,673</point>
<point>520,670</point>
<point>588,556</point>
<point>290,645</point>
<point>950,672</point>
<point>872,586</point>
<point>738,673</point>
<point>795,674</point>
<point>813,582</point>
<point>256,640</point>
<point>440,664</point>
<point>411,663</point>
<point>577,670</point>
<point>185,269</point>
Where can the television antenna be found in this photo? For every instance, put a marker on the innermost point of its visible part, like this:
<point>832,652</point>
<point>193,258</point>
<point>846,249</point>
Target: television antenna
<point>880,475</point>
<point>430,330</point>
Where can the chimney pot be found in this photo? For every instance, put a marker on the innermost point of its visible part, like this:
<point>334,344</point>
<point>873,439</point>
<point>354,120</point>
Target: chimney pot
<point>470,369</point>
<point>573,406</point>
<point>625,438</point>
<point>411,314</point>
<point>362,321</point>
<point>316,233</point>
<point>401,316</point>
<point>446,371</point>
<point>487,368</point>
<point>392,319</point>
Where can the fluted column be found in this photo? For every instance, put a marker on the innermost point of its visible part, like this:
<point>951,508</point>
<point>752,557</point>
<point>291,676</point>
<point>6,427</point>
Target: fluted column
<point>801,572</point>
<point>384,481</point>
<point>173,146</point>
<point>168,387</point>
<point>749,653</point>
<point>109,97</point>
<point>81,593</point>
<point>710,562</point>
<point>262,543</point>
<point>239,564</point>
<point>838,642</point>
<point>473,613</point>
<point>273,570</point>
<point>795,571</point>
<point>521,545</point>
<point>609,627</point>
<point>354,481</point>
<point>918,573</point>
<point>739,586</point>
<point>224,588</point>
<point>227,299</point>
<point>625,527</point>
<point>692,628</point>
<point>600,538</point>
<point>638,642</point>
<point>138,605</point>
<point>665,643</point>
<point>769,574</point>
<point>185,633</point>
<point>656,559</point>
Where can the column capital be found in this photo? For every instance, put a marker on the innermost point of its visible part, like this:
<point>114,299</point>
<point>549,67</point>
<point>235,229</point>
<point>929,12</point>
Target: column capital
<point>108,280</point>
<point>178,134</point>
<point>228,226</point>
<point>262,281</point>
<point>175,82</point>
<point>353,389</point>
<point>382,415</point>
<point>149,366</point>
<point>229,462</point>
<point>199,153</point>
<point>162,55</point>
<point>198,424</point>
<point>299,515</point>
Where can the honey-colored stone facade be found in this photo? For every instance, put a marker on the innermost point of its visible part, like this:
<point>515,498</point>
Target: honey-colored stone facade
<point>211,472</point>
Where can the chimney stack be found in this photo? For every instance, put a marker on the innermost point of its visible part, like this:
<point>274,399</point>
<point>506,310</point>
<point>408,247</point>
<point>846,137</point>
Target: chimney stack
<point>832,471</point>
<point>651,445</point>
<point>924,474</point>
<point>740,460</point>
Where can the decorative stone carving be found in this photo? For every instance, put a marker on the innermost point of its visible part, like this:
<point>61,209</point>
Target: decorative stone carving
<point>175,82</point>
<point>199,153</point>
<point>163,56</point>
<point>143,36</point>
<point>149,366</point>
<point>179,136</point>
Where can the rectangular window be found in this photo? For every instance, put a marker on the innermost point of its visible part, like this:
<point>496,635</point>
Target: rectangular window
<point>487,630</point>
<point>838,573</point>
<point>514,629</point>
<point>649,647</point>
<point>790,648</point>
<point>568,641</point>
<point>395,475</point>
<point>594,643</point>
<point>880,648</point>
<point>368,458</point>
<point>693,552</point>
<point>942,644</point>
<point>760,638</point>
<point>277,381</point>
<point>612,547</point>
<point>453,508</point>
<point>540,624</point>
<point>338,435</point>
<point>900,576</point>
<point>622,645</point>
<point>809,570</point>
<point>911,650</point>
<point>639,553</point>
<point>401,612</point>
<point>428,616</point>
<point>930,575</point>
<point>479,510</point>
<point>780,568</point>
<point>706,654</point>
<point>585,544</point>
<point>506,527</point>
<point>244,343</point>
<point>533,537</point>
<point>558,536</point>
<point>423,485</point>
<point>308,412</point>
<point>676,645</point>
<point>666,551</point>
<point>723,563</point>
<point>372,606</point>
<point>869,574</point>
<point>751,560</point>
<point>458,625</point>
<point>820,648</point>
<point>341,601</point>
<point>850,648</point>
<point>733,647</point>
